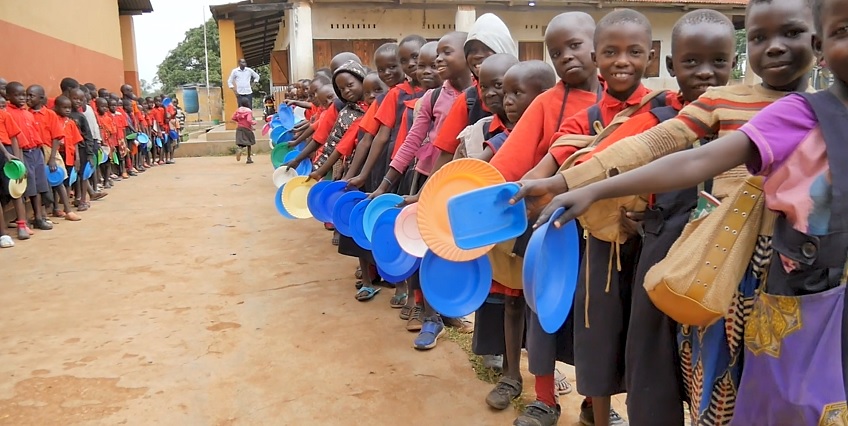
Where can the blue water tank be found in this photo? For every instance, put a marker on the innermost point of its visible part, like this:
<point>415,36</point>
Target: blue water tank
<point>192,106</point>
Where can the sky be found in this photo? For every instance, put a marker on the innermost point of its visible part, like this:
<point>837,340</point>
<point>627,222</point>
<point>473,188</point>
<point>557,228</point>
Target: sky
<point>158,32</point>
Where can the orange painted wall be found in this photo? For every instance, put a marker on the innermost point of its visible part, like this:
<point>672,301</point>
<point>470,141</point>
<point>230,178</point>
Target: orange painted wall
<point>24,60</point>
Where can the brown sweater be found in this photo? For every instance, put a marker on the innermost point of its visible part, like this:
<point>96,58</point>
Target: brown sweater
<point>719,111</point>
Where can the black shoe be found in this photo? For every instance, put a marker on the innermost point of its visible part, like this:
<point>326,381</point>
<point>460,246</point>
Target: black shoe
<point>42,224</point>
<point>504,392</point>
<point>538,413</point>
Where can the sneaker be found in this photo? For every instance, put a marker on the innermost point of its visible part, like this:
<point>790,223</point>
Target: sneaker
<point>493,362</point>
<point>249,160</point>
<point>22,233</point>
<point>42,224</point>
<point>538,413</point>
<point>587,416</point>
<point>505,391</point>
<point>414,323</point>
<point>430,333</point>
<point>6,242</point>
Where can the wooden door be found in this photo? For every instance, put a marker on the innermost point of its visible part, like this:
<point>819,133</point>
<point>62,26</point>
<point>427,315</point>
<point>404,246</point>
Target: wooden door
<point>531,50</point>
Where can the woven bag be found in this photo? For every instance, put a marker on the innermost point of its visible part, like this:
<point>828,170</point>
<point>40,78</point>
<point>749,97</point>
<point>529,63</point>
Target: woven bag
<point>695,283</point>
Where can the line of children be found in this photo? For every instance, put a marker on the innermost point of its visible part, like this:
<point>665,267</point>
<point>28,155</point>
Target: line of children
<point>616,339</point>
<point>65,132</point>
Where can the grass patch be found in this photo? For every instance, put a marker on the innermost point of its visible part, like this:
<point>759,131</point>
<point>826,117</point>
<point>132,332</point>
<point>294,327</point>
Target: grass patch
<point>483,373</point>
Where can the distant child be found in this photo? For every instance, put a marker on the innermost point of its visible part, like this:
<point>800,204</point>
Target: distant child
<point>71,144</point>
<point>110,139</point>
<point>53,136</point>
<point>9,132</point>
<point>270,107</point>
<point>244,133</point>
<point>30,143</point>
<point>715,353</point>
<point>82,188</point>
<point>118,160</point>
<point>131,130</point>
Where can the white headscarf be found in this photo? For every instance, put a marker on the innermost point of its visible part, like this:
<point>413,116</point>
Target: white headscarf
<point>491,31</point>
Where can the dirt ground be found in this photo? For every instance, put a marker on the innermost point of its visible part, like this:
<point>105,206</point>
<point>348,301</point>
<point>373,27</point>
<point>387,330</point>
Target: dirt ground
<point>183,298</point>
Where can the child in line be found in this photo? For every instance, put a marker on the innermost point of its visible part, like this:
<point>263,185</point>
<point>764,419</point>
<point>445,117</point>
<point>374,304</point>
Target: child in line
<point>53,136</point>
<point>9,132</point>
<point>71,144</point>
<point>795,144</point>
<point>245,138</point>
<point>30,143</point>
<point>131,133</point>
<point>782,56</point>
<point>110,139</point>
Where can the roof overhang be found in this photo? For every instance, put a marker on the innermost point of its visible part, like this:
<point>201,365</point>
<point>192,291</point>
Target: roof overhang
<point>257,23</point>
<point>134,7</point>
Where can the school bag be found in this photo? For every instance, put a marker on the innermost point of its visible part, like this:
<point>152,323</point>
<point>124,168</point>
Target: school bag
<point>603,220</point>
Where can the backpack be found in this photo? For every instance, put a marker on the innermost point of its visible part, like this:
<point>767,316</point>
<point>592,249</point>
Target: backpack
<point>603,219</point>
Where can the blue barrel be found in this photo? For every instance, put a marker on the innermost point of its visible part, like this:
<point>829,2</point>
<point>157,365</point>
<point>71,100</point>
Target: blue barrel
<point>190,100</point>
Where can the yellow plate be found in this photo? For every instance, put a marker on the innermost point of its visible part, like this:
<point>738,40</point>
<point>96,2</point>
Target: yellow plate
<point>456,177</point>
<point>17,187</point>
<point>294,196</point>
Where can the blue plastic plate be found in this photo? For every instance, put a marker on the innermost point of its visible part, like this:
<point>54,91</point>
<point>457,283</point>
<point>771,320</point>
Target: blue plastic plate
<point>72,178</point>
<point>277,133</point>
<point>551,265</point>
<point>376,208</point>
<point>276,122</point>
<point>303,168</point>
<point>143,138</point>
<point>173,135</point>
<point>55,178</point>
<point>166,102</point>
<point>389,278</point>
<point>387,252</point>
<point>278,202</point>
<point>342,209</point>
<point>159,142</point>
<point>87,171</point>
<point>357,232</point>
<point>455,289</point>
<point>484,216</point>
<point>315,207</point>
<point>328,197</point>
<point>285,116</point>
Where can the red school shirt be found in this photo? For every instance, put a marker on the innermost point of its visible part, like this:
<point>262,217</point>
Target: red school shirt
<point>530,139</point>
<point>107,129</point>
<point>30,136</point>
<point>368,123</point>
<point>456,122</point>
<point>8,128</point>
<point>120,124</point>
<point>325,124</point>
<point>48,125</point>
<point>405,123</point>
<point>579,124</point>
<point>72,138</point>
<point>387,114</point>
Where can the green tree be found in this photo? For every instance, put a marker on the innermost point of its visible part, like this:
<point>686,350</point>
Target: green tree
<point>186,63</point>
<point>742,54</point>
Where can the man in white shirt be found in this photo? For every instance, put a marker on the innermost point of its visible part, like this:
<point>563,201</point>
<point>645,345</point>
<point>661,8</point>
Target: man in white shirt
<point>241,80</point>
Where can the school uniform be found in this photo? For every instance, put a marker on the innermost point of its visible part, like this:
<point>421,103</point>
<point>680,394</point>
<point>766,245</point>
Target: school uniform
<point>30,143</point>
<point>711,357</point>
<point>49,127</point>
<point>466,110</point>
<point>72,137</point>
<point>795,346</point>
<point>603,297</point>
<point>8,129</point>
<point>389,115</point>
<point>91,146</point>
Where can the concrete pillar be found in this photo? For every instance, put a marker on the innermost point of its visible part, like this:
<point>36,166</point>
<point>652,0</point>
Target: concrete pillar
<point>129,53</point>
<point>229,61</point>
<point>300,41</point>
<point>465,17</point>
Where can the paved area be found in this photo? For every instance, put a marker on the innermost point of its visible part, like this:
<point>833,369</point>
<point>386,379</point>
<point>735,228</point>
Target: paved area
<point>183,298</point>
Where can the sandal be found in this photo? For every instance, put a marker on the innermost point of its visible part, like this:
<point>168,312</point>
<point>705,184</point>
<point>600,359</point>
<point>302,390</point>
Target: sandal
<point>461,324</point>
<point>398,301</point>
<point>429,335</point>
<point>83,207</point>
<point>365,294</point>
<point>404,312</point>
<point>563,387</point>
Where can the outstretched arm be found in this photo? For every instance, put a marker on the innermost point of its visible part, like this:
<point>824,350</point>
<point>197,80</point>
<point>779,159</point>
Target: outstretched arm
<point>673,172</point>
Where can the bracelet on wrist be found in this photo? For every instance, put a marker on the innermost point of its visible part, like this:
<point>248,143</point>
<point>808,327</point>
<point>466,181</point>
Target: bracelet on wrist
<point>388,181</point>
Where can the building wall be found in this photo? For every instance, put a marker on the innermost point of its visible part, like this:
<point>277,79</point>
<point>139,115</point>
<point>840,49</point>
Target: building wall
<point>43,44</point>
<point>336,23</point>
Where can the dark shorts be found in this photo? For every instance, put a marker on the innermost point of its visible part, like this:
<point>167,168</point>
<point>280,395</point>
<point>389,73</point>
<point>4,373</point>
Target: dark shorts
<point>4,181</point>
<point>600,329</point>
<point>36,174</point>
<point>544,349</point>
<point>488,338</point>
<point>249,98</point>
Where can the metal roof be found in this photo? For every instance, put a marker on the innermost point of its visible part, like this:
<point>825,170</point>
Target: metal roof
<point>257,24</point>
<point>134,7</point>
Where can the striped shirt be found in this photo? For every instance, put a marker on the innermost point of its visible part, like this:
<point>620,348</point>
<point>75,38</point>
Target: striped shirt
<point>719,111</point>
